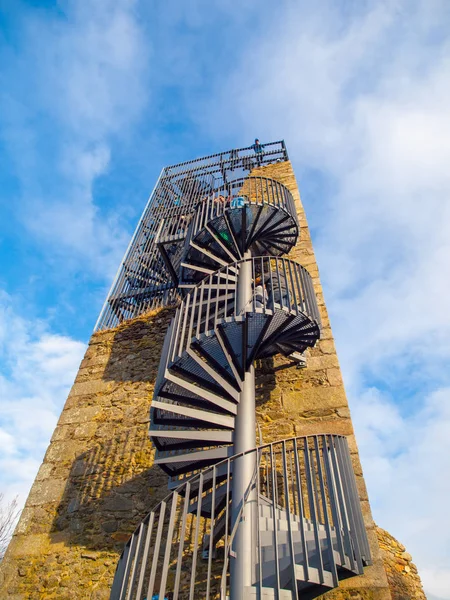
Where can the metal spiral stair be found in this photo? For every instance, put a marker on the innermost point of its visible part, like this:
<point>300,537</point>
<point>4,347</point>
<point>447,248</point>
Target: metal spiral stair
<point>279,521</point>
<point>210,345</point>
<point>255,215</point>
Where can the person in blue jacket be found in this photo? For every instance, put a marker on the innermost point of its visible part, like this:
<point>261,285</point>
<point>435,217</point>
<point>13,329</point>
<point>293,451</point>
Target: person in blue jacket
<point>258,151</point>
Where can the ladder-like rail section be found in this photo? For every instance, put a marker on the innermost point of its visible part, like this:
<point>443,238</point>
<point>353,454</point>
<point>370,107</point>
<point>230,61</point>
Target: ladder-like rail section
<point>278,284</point>
<point>310,530</point>
<point>254,216</point>
<point>178,191</point>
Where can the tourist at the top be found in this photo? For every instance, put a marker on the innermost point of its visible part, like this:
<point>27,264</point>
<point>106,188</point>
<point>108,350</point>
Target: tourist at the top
<point>257,147</point>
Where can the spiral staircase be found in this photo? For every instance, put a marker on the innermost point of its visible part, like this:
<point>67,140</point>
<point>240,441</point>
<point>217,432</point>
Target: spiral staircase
<point>281,520</point>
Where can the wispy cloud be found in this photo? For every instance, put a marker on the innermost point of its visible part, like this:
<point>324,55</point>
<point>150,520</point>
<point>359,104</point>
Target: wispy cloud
<point>37,369</point>
<point>362,100</point>
<point>360,92</point>
<point>87,90</point>
<point>407,459</point>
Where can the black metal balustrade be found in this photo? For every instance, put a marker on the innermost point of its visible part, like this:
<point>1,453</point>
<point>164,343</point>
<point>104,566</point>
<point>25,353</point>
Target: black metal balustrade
<point>144,281</point>
<point>309,528</point>
<point>255,215</point>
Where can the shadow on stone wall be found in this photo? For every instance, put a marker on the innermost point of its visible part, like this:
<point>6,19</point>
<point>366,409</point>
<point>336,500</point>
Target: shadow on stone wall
<point>113,484</point>
<point>275,422</point>
<point>110,489</point>
<point>136,348</point>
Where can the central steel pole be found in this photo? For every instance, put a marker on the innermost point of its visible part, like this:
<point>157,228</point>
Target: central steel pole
<point>244,501</point>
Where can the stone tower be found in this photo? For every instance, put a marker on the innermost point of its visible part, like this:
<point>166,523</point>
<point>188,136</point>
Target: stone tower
<point>223,252</point>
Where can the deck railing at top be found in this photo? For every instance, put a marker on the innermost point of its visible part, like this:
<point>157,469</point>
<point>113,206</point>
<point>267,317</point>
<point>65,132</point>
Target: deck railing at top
<point>178,191</point>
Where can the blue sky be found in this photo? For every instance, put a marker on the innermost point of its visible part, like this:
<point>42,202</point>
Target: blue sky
<point>95,98</point>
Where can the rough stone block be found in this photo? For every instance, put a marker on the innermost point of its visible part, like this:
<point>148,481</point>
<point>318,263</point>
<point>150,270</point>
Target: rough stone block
<point>319,399</point>
<point>45,492</point>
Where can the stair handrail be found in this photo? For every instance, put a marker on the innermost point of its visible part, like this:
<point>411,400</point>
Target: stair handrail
<point>220,200</point>
<point>320,495</point>
<point>285,285</point>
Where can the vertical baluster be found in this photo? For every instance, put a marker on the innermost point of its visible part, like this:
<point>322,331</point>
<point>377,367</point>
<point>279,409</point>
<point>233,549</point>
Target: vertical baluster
<point>140,587</point>
<point>184,305</point>
<point>227,279</point>
<point>211,536</point>
<point>194,307</point>
<point>119,576</point>
<point>325,512</point>
<point>258,518</point>
<point>294,497</point>
<point>286,281</point>
<point>312,457</point>
<point>280,291</point>
<point>344,522</point>
<point>269,196</point>
<point>274,519</point>
<point>218,293</point>
<point>173,331</point>
<point>253,298</point>
<point>165,568</point>
<point>151,583</point>
<point>182,540</point>
<point>226,547</point>
<point>294,298</point>
<point>196,225</point>
<point>289,520</point>
<point>277,500</point>
<point>303,277</point>
<point>131,558</point>
<point>196,537</point>
<point>263,286</point>
<point>312,507</point>
<point>200,308</point>
<point>352,500</point>
<point>134,571</point>
<point>270,263</point>
<point>301,513</point>
<point>297,269</point>
<point>333,498</point>
<point>354,495</point>
<point>205,208</point>
<point>208,306</point>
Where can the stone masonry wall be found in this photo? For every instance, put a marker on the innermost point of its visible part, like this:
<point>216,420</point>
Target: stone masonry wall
<point>97,481</point>
<point>403,578</point>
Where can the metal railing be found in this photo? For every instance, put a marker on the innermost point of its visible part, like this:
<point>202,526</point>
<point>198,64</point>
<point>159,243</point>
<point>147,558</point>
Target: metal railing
<point>278,284</point>
<point>254,190</point>
<point>178,191</point>
<point>306,511</point>
<point>231,160</point>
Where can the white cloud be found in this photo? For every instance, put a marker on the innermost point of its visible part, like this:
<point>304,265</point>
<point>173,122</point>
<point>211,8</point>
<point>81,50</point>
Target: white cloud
<point>363,101</point>
<point>37,370</point>
<point>407,459</point>
<point>89,89</point>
